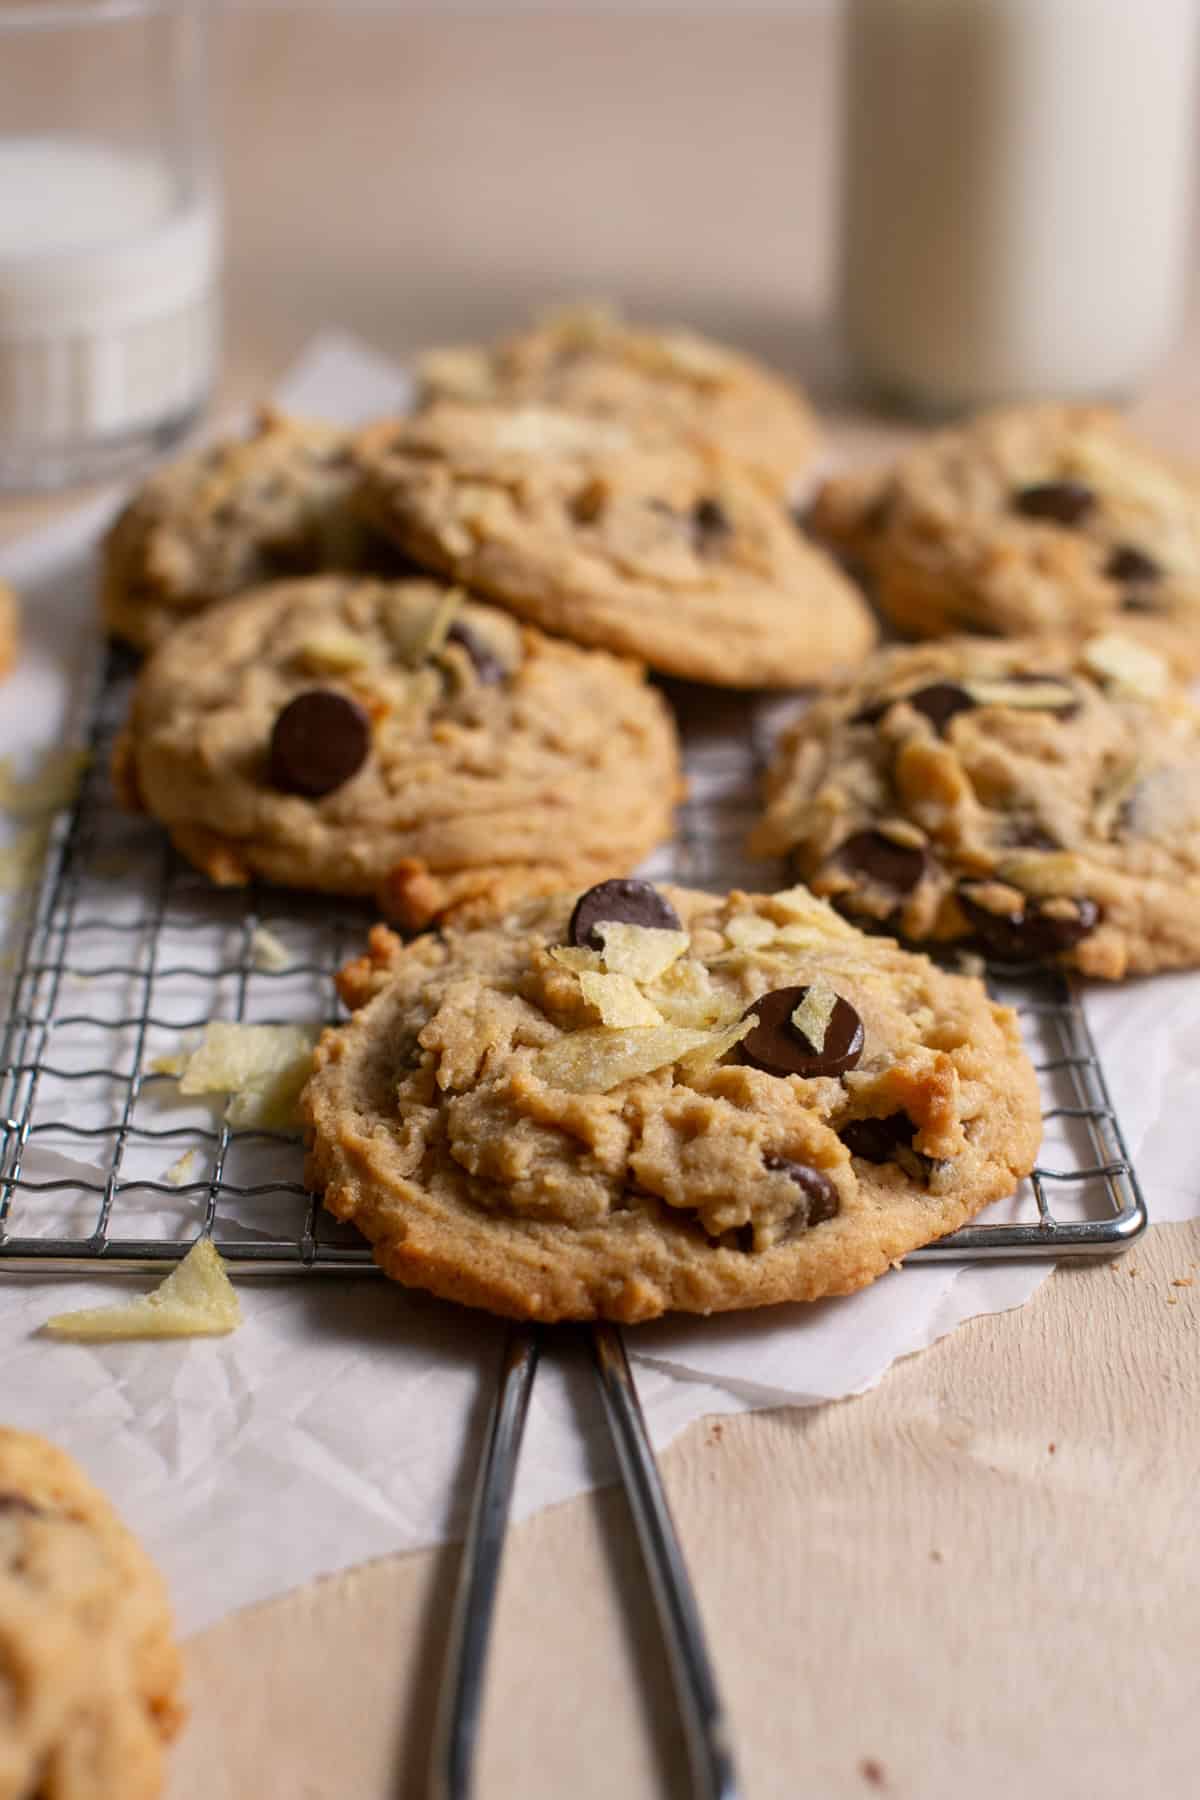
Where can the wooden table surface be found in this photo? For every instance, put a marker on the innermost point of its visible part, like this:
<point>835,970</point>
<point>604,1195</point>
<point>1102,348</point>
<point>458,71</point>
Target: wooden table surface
<point>979,1579</point>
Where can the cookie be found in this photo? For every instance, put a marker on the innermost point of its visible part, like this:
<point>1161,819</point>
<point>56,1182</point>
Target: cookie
<point>89,1672</point>
<point>574,524</point>
<point>668,383</point>
<point>231,517</point>
<point>10,628</point>
<point>1035,519</point>
<point>1040,801</point>
<point>648,1100</point>
<point>394,739</point>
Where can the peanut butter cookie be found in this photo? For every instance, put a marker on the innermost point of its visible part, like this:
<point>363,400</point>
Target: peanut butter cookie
<point>669,383</point>
<point>395,739</point>
<point>89,1673</point>
<point>574,523</point>
<point>1035,519</point>
<point>646,1099</point>
<point>1042,802</point>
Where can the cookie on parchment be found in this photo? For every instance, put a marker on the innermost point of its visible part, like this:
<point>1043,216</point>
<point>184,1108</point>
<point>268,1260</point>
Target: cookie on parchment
<point>230,517</point>
<point>1042,802</point>
<point>89,1672</point>
<point>649,1099</point>
<point>395,739</point>
<point>1034,519</point>
<point>667,382</point>
<point>575,524</point>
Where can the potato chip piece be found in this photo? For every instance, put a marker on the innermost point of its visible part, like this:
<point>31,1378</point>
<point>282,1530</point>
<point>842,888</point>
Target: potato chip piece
<point>52,789</point>
<point>640,951</point>
<point>684,994</point>
<point>263,1067</point>
<point>334,653</point>
<point>185,1168</point>
<point>699,1061</point>
<point>749,931</point>
<point>1022,696</point>
<point>1127,667</point>
<point>419,632</point>
<point>196,1300</point>
<point>812,1016</point>
<point>618,1000</point>
<point>21,861</point>
<point>599,1059</point>
<point>798,904</point>
<point>577,959</point>
<point>268,952</point>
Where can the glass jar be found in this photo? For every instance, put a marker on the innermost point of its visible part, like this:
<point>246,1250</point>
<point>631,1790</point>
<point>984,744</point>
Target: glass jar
<point>1016,198</point>
<point>109,234</point>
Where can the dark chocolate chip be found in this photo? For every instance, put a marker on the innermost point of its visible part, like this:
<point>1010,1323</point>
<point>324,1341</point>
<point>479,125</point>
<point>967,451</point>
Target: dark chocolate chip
<point>819,1197</point>
<point>321,738</point>
<point>888,864</point>
<point>710,523</point>
<point>940,702</point>
<point>487,665</point>
<point>619,902</point>
<point>1026,932</point>
<point>781,1048</point>
<point>1062,502</point>
<point>877,1140</point>
<point>1128,563</point>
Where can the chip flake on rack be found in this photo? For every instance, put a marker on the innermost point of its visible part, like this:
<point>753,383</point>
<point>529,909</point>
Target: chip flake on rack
<point>262,1068</point>
<point>197,1299</point>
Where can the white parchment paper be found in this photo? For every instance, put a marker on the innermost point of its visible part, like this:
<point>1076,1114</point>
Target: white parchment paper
<point>343,1420</point>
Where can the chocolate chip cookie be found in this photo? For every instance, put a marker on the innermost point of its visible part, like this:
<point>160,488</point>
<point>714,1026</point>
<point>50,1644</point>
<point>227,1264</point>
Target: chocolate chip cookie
<point>1034,519</point>
<point>574,523</point>
<point>395,739</point>
<point>669,383</point>
<point>649,1099</point>
<point>1040,802</point>
<point>89,1673</point>
<point>230,517</point>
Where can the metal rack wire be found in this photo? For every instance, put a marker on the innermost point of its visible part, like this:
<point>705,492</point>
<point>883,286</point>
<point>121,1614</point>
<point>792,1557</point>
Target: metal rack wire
<point>126,950</point>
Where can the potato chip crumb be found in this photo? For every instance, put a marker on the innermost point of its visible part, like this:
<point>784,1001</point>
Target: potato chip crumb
<point>262,1068</point>
<point>333,653</point>
<point>197,1299</point>
<point>1127,666</point>
<point>811,1018</point>
<point>618,1000</point>
<point>749,931</point>
<point>643,952</point>
<point>596,1060</point>
<point>267,952</point>
<point>184,1168</point>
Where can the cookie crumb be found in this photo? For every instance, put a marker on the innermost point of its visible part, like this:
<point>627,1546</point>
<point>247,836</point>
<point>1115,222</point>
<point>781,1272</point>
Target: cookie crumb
<point>873,1772</point>
<point>1051,1448</point>
<point>1183,1281</point>
<point>935,1556</point>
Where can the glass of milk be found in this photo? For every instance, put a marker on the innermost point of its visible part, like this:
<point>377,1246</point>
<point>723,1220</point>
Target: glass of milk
<point>109,234</point>
<point>1017,194</point>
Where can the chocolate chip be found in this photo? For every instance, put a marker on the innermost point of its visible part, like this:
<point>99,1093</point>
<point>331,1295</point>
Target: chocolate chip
<point>710,523</point>
<point>1026,932</point>
<point>779,1047</point>
<point>321,738</point>
<point>487,665</point>
<point>888,864</point>
<point>1128,563</point>
<point>877,1140</point>
<point>1063,502</point>
<point>619,902</point>
<point>819,1198</point>
<point>940,702</point>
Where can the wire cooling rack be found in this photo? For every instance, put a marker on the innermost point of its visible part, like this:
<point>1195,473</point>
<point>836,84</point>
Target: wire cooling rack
<point>126,951</point>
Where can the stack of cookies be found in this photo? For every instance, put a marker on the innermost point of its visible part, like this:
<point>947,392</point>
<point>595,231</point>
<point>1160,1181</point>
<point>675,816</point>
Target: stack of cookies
<point>410,662</point>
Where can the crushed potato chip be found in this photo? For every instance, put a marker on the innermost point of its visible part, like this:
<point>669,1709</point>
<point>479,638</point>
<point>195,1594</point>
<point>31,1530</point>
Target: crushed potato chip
<point>618,1000</point>
<point>333,652</point>
<point>698,1061</point>
<point>184,1168</point>
<point>262,1068</point>
<point>799,905</point>
<point>684,995</point>
<point>268,952</point>
<point>1128,667</point>
<point>196,1300</point>
<point>811,1018</point>
<point>577,958</point>
<point>596,1060</point>
<point>419,632</point>
<point>640,951</point>
<point>748,931</point>
<point>1026,696</point>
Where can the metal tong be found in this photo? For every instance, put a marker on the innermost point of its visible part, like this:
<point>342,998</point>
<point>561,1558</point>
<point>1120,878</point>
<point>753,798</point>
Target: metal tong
<point>456,1725</point>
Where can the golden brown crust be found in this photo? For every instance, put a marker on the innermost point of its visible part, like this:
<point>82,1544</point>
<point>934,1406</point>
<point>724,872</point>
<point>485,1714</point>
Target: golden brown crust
<point>89,1672</point>
<point>480,1179</point>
